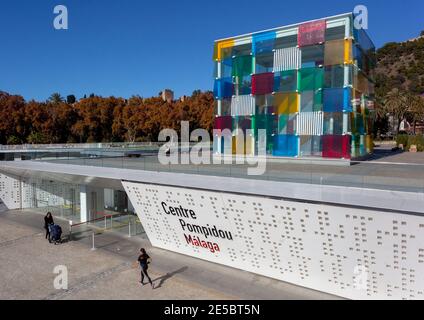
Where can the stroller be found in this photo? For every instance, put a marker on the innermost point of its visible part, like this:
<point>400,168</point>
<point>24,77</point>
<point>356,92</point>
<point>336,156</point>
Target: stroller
<point>55,233</point>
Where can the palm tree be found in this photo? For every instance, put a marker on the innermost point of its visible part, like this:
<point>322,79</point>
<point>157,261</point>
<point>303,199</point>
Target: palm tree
<point>56,98</point>
<point>416,107</point>
<point>395,104</point>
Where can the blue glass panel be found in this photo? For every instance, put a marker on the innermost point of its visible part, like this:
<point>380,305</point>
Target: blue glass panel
<point>263,42</point>
<point>223,88</point>
<point>286,145</point>
<point>337,100</point>
<point>347,100</point>
<point>226,68</point>
<point>364,41</point>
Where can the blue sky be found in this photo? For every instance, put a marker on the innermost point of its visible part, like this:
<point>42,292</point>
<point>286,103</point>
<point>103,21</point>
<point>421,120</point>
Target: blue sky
<point>130,47</point>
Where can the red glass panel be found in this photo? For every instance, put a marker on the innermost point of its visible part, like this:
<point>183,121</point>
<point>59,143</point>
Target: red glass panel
<point>312,33</point>
<point>262,83</point>
<point>222,123</point>
<point>336,147</point>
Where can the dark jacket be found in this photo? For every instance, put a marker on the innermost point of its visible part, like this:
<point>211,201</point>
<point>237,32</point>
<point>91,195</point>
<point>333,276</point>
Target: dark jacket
<point>47,221</point>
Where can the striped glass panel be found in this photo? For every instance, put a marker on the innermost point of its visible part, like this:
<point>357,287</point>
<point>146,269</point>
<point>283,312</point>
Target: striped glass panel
<point>287,59</point>
<point>310,123</point>
<point>243,105</point>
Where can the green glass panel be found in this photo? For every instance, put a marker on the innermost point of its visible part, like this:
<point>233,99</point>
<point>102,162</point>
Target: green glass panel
<point>269,123</point>
<point>242,66</point>
<point>310,79</point>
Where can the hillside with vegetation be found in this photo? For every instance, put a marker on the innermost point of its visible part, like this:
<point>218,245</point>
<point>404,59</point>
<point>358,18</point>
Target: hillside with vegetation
<point>399,79</point>
<point>401,66</point>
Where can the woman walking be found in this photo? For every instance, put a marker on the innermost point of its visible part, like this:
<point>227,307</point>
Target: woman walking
<point>144,260</point>
<point>48,220</point>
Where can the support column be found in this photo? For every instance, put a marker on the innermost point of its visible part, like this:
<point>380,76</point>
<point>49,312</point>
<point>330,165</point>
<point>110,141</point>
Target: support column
<point>109,198</point>
<point>130,206</point>
<point>83,203</point>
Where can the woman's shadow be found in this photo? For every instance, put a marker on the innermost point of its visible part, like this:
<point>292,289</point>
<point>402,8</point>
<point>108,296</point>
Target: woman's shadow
<point>167,276</point>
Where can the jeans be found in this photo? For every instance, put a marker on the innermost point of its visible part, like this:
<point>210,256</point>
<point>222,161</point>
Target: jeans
<point>47,233</point>
<point>144,272</point>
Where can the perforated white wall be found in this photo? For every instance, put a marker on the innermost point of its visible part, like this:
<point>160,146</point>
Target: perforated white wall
<point>352,253</point>
<point>17,192</point>
<point>10,191</point>
<point>41,193</point>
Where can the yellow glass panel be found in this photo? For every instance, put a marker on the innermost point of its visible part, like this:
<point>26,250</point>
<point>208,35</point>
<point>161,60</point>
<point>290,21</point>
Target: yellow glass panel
<point>369,143</point>
<point>219,48</point>
<point>239,145</point>
<point>250,146</point>
<point>348,57</point>
<point>286,103</point>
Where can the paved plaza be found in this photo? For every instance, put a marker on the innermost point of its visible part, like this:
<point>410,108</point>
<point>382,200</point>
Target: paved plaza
<point>109,272</point>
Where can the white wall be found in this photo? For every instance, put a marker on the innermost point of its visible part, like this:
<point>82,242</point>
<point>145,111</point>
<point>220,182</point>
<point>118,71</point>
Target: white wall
<point>17,192</point>
<point>353,253</point>
<point>10,191</point>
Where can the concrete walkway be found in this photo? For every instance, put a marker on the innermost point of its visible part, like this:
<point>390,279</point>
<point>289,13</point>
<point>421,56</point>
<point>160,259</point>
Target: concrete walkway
<point>109,272</point>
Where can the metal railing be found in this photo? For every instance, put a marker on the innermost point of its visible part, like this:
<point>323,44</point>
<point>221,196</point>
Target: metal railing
<point>106,223</point>
<point>99,145</point>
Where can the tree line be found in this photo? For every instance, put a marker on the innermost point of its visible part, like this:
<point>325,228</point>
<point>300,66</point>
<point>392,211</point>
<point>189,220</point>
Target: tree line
<point>99,119</point>
<point>402,105</point>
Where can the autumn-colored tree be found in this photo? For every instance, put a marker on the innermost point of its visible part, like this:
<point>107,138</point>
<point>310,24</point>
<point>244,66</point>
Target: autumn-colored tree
<point>12,117</point>
<point>99,119</point>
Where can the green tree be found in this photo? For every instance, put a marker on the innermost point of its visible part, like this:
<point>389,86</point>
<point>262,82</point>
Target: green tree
<point>416,108</point>
<point>196,93</point>
<point>37,138</point>
<point>13,140</point>
<point>55,98</point>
